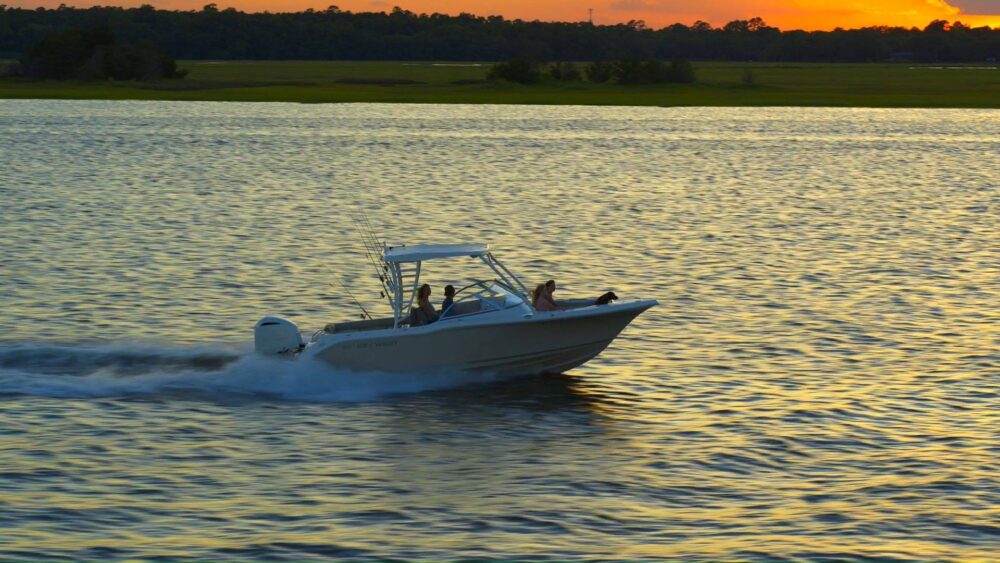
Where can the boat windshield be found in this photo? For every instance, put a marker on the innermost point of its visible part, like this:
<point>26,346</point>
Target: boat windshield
<point>404,264</point>
<point>482,297</point>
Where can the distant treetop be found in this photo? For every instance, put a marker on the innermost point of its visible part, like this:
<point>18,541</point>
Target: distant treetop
<point>94,54</point>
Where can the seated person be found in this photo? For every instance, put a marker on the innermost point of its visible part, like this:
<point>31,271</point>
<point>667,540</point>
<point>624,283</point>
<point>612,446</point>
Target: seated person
<point>536,295</point>
<point>543,300</point>
<point>449,298</point>
<point>423,313</point>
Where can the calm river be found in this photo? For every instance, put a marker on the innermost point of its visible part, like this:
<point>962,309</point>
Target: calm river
<point>820,380</point>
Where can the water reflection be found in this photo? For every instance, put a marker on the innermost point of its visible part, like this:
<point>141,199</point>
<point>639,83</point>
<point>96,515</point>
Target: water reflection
<point>818,382</point>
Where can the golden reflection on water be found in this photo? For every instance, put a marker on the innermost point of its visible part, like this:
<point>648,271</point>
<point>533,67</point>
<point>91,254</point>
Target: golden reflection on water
<point>820,379</point>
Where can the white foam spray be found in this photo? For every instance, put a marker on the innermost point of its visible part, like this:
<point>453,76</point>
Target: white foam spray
<point>114,370</point>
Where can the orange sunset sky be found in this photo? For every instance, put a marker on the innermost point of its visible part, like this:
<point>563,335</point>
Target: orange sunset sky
<point>786,14</point>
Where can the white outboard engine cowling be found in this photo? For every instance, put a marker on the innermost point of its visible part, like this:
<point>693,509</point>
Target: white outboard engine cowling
<point>274,335</point>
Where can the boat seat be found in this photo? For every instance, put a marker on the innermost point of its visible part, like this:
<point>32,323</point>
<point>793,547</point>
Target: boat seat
<point>357,326</point>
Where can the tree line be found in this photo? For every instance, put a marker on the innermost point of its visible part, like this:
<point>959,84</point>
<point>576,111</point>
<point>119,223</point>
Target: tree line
<point>211,33</point>
<point>93,54</point>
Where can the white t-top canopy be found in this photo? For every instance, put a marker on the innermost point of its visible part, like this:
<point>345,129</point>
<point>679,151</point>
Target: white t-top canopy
<point>420,252</point>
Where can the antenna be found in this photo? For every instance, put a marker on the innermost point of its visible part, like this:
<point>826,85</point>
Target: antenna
<point>591,18</point>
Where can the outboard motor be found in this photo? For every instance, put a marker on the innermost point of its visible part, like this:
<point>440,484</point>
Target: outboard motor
<point>273,336</point>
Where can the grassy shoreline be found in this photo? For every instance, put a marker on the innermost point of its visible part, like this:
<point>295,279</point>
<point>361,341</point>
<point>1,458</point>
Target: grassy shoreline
<point>719,84</point>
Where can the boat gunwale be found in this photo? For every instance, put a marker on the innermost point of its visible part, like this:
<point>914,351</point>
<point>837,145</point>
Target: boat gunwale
<point>456,323</point>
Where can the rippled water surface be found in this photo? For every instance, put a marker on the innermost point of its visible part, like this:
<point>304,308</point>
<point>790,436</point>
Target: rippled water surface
<point>820,380</point>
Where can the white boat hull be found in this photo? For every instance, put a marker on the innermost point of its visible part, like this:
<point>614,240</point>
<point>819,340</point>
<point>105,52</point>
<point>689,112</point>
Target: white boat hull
<point>542,342</point>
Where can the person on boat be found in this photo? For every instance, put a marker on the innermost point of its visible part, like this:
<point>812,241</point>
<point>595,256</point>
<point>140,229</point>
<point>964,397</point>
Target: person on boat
<point>537,294</point>
<point>544,301</point>
<point>449,297</point>
<point>423,313</point>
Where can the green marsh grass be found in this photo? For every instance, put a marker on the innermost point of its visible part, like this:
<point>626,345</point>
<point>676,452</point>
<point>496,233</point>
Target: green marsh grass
<point>719,84</point>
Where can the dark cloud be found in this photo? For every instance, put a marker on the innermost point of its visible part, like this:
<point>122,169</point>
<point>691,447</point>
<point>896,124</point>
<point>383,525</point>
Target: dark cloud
<point>650,5</point>
<point>630,5</point>
<point>984,7</point>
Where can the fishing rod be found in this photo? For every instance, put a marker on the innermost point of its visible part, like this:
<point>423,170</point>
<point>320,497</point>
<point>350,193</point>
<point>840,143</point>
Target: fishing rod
<point>373,247</point>
<point>364,312</point>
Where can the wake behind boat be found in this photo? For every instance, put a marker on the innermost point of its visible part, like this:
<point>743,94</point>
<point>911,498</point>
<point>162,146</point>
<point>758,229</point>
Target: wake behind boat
<point>490,327</point>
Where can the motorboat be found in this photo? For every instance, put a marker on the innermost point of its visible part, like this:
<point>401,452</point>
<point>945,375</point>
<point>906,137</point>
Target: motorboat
<point>491,327</point>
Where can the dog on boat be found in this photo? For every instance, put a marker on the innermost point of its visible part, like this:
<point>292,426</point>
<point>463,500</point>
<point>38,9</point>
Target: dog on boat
<point>606,298</point>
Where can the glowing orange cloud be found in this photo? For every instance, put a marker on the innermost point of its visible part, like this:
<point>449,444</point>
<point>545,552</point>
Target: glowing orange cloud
<point>786,14</point>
